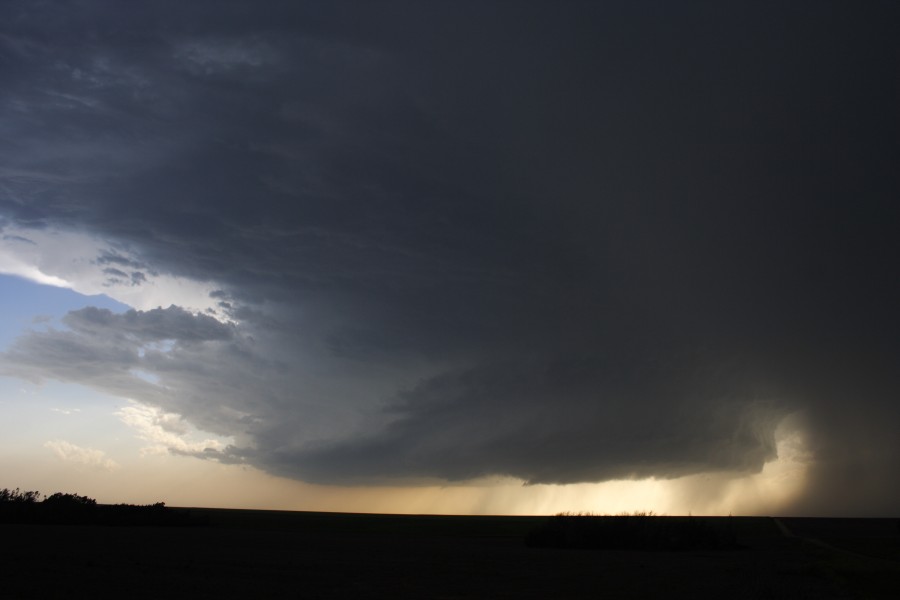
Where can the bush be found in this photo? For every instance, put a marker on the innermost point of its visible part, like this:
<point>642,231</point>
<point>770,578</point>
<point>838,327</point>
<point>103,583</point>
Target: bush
<point>17,506</point>
<point>68,500</point>
<point>73,509</point>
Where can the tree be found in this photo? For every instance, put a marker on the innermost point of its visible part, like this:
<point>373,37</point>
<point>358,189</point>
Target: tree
<point>27,497</point>
<point>68,500</point>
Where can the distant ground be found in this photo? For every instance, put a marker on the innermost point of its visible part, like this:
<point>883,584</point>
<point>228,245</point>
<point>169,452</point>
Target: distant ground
<point>250,554</point>
<point>876,538</point>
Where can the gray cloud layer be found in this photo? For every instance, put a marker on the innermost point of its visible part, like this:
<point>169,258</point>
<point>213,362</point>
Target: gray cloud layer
<point>564,243</point>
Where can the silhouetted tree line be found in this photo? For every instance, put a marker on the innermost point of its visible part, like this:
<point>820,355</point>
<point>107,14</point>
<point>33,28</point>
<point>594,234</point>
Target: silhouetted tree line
<point>71,509</point>
<point>640,531</point>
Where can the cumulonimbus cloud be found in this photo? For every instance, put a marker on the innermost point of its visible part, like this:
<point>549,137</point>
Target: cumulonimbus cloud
<point>604,255</point>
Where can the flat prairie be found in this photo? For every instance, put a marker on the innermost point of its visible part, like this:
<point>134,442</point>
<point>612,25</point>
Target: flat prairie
<point>272,554</point>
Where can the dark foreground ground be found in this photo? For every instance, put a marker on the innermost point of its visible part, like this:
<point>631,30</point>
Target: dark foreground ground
<point>253,554</point>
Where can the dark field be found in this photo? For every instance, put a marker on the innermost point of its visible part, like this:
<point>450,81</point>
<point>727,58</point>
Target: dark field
<point>249,554</point>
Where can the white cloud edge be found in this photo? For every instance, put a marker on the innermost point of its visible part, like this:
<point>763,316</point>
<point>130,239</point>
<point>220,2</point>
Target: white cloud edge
<point>166,432</point>
<point>69,260</point>
<point>87,457</point>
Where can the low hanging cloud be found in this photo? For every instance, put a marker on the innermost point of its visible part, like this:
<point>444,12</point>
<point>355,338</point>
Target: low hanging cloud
<point>560,422</point>
<point>584,246</point>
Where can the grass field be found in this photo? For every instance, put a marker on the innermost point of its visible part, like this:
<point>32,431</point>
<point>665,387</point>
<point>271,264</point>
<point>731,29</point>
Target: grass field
<point>250,554</point>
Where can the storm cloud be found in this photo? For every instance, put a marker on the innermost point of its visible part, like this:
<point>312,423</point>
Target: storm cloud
<point>561,242</point>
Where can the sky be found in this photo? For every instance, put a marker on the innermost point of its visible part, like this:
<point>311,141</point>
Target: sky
<point>452,257</point>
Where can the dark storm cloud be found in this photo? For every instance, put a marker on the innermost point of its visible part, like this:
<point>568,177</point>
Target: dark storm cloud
<point>111,258</point>
<point>564,242</point>
<point>563,422</point>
